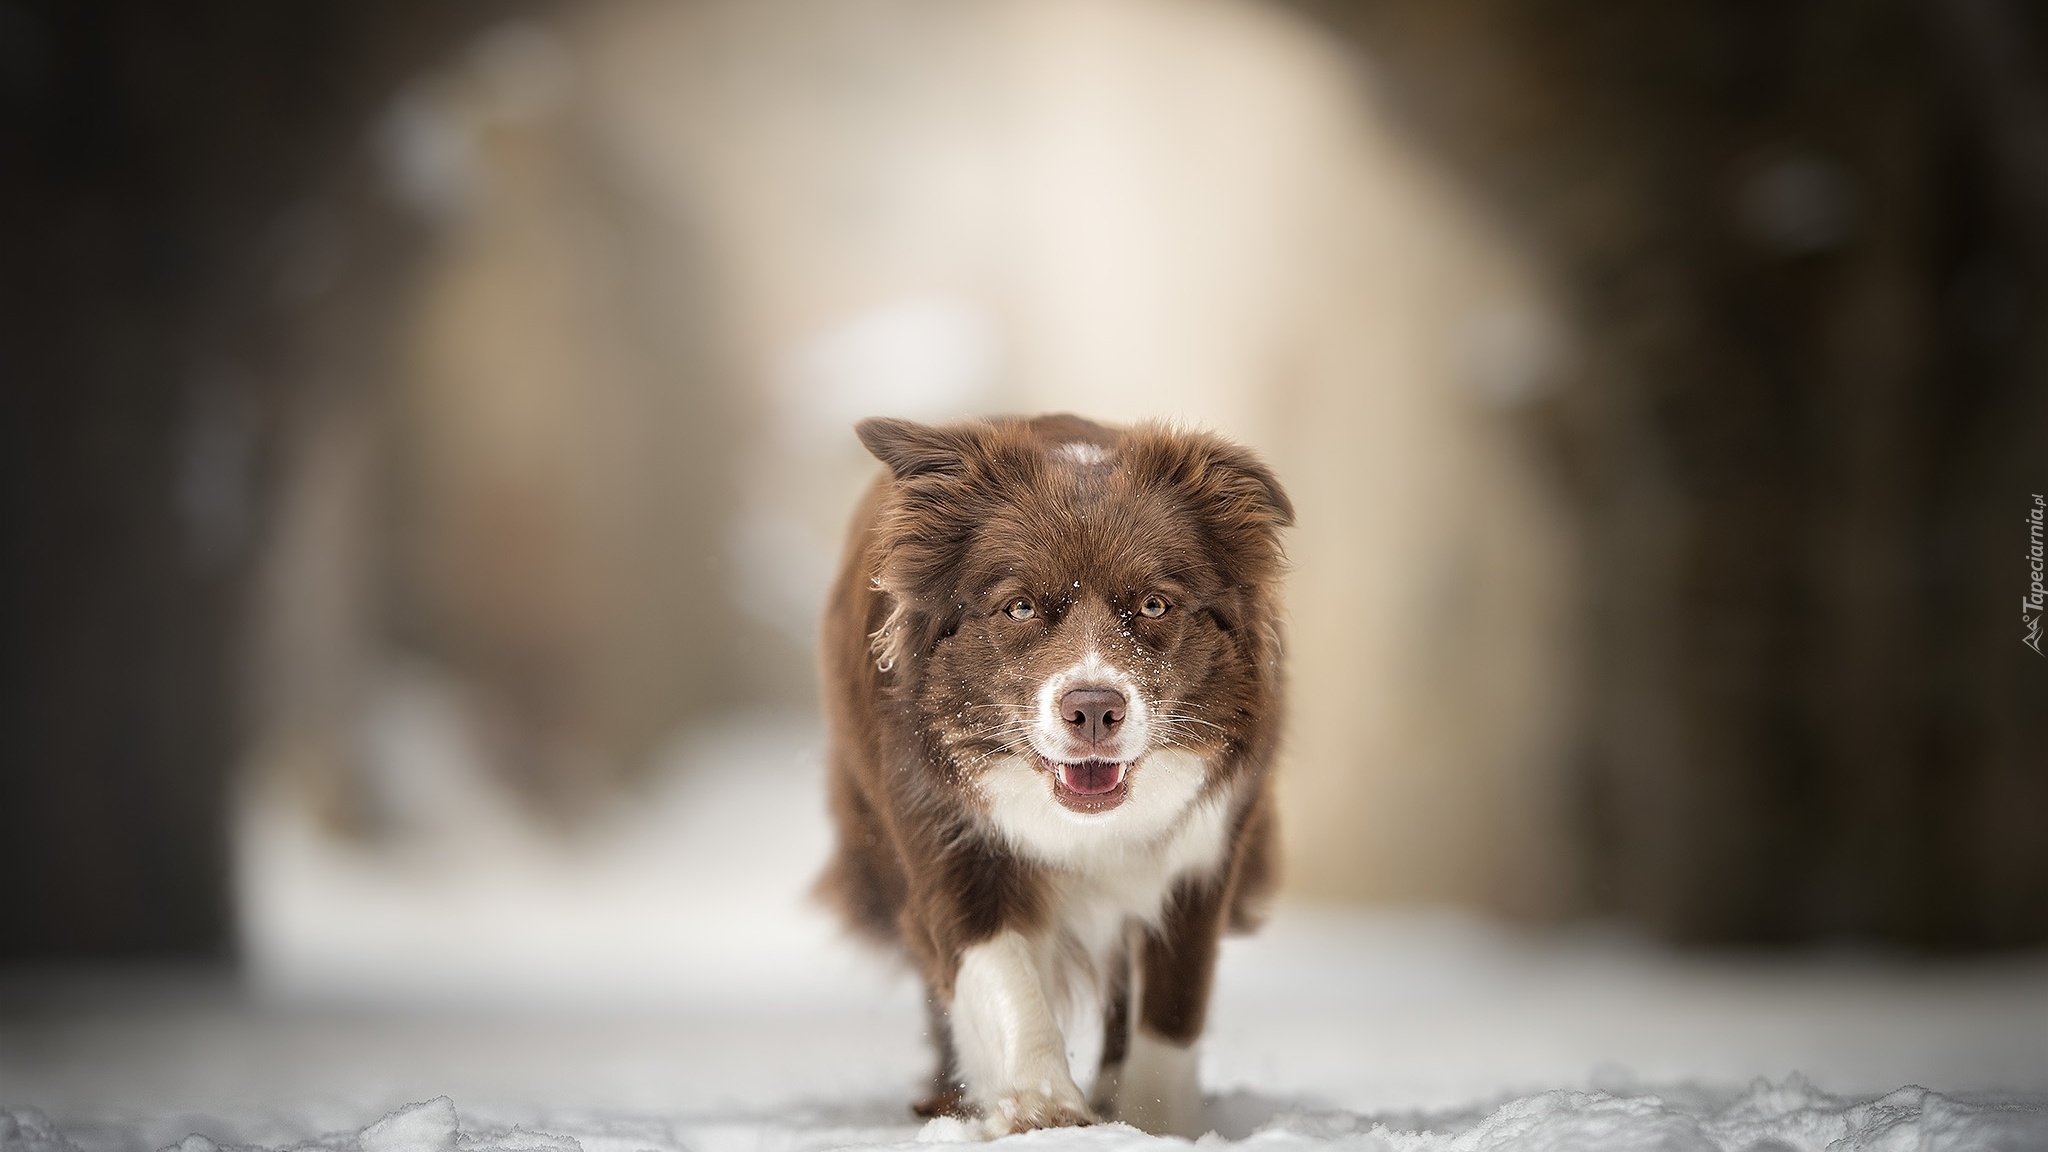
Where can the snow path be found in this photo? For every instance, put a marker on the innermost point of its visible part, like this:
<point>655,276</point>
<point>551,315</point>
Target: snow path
<point>1767,1118</point>
<point>663,988</point>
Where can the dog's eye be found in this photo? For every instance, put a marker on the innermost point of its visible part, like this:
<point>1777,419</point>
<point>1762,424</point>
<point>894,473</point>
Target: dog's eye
<point>1019,609</point>
<point>1154,606</point>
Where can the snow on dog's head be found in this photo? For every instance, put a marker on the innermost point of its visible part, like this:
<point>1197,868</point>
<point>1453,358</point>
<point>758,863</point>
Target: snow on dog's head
<point>1081,617</point>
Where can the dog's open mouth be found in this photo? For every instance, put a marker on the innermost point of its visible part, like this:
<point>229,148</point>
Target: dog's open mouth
<point>1089,785</point>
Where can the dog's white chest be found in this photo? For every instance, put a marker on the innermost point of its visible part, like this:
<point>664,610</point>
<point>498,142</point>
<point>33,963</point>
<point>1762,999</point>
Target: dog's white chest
<point>1098,893</point>
<point>1096,906</point>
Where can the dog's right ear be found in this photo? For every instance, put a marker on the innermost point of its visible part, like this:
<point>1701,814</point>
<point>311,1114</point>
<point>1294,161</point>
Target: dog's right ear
<point>913,449</point>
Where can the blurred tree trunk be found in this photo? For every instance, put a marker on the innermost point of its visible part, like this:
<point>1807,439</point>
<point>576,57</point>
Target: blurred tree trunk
<point>1803,248</point>
<point>156,166</point>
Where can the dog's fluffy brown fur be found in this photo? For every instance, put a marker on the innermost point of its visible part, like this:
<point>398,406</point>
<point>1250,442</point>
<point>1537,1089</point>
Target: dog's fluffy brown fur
<point>1052,682</point>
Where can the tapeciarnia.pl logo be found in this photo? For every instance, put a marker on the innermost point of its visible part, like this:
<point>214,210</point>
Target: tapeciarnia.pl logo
<point>2036,598</point>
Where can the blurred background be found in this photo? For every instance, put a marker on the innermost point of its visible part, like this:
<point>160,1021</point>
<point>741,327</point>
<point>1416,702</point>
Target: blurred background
<point>426,442</point>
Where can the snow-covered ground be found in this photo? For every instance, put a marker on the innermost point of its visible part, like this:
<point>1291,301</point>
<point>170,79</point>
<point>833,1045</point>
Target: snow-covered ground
<point>661,986</point>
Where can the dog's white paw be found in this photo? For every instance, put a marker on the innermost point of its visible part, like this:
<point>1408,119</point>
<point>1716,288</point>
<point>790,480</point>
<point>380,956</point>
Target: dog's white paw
<point>1157,1090</point>
<point>1043,1106</point>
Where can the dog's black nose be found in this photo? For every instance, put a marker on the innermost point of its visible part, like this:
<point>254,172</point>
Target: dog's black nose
<point>1094,712</point>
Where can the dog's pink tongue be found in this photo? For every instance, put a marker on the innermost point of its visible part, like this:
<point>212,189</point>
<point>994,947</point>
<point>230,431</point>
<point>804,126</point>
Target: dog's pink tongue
<point>1091,777</point>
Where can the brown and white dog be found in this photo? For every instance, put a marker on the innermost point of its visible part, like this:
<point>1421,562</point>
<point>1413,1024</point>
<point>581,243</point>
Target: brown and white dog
<point>1052,681</point>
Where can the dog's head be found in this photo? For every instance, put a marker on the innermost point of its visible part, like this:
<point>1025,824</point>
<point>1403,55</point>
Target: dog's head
<point>1082,618</point>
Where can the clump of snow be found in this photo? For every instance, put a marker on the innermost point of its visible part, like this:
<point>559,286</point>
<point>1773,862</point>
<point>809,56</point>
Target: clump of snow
<point>947,1130</point>
<point>428,1127</point>
<point>1789,1116</point>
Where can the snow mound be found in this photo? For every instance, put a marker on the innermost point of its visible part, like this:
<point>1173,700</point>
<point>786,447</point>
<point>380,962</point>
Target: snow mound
<point>1791,1116</point>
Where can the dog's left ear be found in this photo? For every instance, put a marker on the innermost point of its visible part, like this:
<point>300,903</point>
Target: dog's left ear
<point>1251,482</point>
<point>1237,495</point>
<point>913,449</point>
<point>1233,486</point>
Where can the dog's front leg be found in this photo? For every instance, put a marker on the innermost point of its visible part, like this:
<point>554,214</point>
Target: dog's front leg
<point>1011,1052</point>
<point>1158,1090</point>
